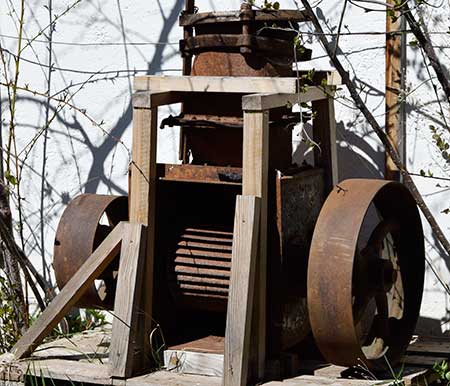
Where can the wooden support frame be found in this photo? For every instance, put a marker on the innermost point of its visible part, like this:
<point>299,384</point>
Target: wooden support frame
<point>267,101</point>
<point>227,84</point>
<point>134,295</point>
<point>137,249</point>
<point>142,209</point>
<point>255,169</point>
<point>255,182</point>
<point>128,294</point>
<point>265,94</point>
<point>71,292</point>
<point>241,298</point>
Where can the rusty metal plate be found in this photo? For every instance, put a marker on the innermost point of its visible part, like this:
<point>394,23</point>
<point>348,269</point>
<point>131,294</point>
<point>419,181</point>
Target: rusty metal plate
<point>266,46</point>
<point>300,197</point>
<point>264,16</point>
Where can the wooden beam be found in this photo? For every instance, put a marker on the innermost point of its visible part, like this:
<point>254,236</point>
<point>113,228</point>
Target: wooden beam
<point>324,134</point>
<point>393,85</point>
<point>267,101</point>
<point>142,205</point>
<point>191,362</point>
<point>70,294</point>
<point>142,198</point>
<point>153,99</point>
<point>242,285</point>
<point>126,306</point>
<point>241,85</point>
<point>255,183</point>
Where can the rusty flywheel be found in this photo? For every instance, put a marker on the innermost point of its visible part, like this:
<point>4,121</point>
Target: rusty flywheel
<point>85,223</point>
<point>366,273</point>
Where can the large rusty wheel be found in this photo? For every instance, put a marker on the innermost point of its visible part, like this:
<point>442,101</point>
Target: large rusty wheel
<point>85,223</point>
<point>366,274</point>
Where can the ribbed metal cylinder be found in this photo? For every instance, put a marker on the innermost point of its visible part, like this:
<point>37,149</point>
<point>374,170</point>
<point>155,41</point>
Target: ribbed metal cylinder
<point>202,266</point>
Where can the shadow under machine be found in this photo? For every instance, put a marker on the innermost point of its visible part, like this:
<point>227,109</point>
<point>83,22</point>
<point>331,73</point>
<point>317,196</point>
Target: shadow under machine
<point>345,260</point>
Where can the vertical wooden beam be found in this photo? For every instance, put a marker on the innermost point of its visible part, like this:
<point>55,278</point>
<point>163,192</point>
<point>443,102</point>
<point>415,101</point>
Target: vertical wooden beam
<point>240,300</point>
<point>393,85</point>
<point>142,208</point>
<point>324,133</point>
<point>255,183</point>
<point>126,305</point>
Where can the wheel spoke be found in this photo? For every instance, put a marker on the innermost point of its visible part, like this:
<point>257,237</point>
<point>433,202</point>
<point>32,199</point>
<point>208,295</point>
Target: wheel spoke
<point>381,320</point>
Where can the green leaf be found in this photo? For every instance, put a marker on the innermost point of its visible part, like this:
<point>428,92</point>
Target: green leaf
<point>276,5</point>
<point>10,178</point>
<point>422,173</point>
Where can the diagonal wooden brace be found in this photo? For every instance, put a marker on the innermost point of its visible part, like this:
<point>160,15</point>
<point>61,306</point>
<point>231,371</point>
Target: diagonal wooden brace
<point>71,292</point>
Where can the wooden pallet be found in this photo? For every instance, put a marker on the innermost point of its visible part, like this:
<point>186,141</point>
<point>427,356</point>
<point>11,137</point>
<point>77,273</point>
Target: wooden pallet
<point>83,359</point>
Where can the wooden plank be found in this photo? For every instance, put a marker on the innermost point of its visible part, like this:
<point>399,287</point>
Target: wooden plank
<point>313,380</point>
<point>126,305</point>
<point>143,168</point>
<point>142,210</point>
<point>255,183</point>
<point>153,99</point>
<point>241,295</point>
<point>174,85</point>
<point>324,133</point>
<point>421,360</point>
<point>190,362</point>
<point>209,344</point>
<point>392,89</point>
<point>70,371</point>
<point>166,378</point>
<point>229,84</point>
<point>411,375</point>
<point>266,101</point>
<point>70,294</point>
<point>430,345</point>
<point>89,345</point>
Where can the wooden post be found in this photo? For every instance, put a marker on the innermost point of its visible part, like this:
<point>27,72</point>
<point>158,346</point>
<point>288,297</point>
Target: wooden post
<point>324,133</point>
<point>240,300</point>
<point>142,210</point>
<point>70,294</point>
<point>128,295</point>
<point>143,203</point>
<point>393,84</point>
<point>255,183</point>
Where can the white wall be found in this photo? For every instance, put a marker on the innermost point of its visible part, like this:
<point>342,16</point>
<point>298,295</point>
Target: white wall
<point>102,44</point>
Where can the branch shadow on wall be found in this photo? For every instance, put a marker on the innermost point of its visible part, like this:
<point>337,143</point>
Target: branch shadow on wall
<point>100,153</point>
